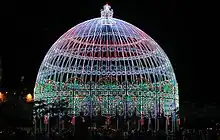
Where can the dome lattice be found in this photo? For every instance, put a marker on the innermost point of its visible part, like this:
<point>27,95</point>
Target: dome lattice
<point>110,66</point>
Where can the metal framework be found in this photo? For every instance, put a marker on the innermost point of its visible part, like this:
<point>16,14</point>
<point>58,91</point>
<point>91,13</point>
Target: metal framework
<point>108,66</point>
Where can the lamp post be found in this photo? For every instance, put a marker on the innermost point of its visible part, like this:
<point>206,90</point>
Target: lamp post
<point>29,99</point>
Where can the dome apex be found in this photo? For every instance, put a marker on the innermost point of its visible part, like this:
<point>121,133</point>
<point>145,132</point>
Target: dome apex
<point>107,12</point>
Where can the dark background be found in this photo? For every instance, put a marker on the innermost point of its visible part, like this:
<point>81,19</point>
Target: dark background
<point>182,28</point>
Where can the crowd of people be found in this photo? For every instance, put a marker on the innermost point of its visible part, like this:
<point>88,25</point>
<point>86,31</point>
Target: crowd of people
<point>111,134</point>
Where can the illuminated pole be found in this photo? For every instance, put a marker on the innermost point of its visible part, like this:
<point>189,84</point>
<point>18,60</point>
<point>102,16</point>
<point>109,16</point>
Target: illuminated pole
<point>91,104</point>
<point>173,122</point>
<point>73,121</point>
<point>63,123</point>
<point>174,118</point>
<point>128,123</point>
<point>59,117</point>
<point>159,115</point>
<point>141,110</point>
<point>142,120</point>
<point>73,110</point>
<point>46,122</point>
<point>135,115</point>
<point>34,120</point>
<point>41,115</point>
<point>63,120</point>
<point>126,96</point>
<point>48,125</point>
<point>166,125</point>
<point>117,116</point>
<point>35,125</point>
<point>174,115</point>
<point>155,113</point>
<point>40,123</point>
<point>138,124</point>
<point>178,123</point>
<point>149,121</point>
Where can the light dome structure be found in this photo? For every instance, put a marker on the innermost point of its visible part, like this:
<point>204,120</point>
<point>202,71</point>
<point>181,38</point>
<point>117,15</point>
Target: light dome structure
<point>106,65</point>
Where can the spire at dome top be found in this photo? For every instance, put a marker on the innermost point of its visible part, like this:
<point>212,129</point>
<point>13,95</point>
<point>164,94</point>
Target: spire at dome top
<point>106,12</point>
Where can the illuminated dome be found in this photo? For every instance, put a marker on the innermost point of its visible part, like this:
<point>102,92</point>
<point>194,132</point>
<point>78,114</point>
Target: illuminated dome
<point>108,66</point>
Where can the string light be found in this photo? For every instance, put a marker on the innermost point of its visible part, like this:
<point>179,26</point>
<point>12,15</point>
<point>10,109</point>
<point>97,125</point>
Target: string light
<point>110,66</point>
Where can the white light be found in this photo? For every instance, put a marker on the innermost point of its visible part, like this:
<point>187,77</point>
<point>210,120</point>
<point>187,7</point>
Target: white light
<point>107,12</point>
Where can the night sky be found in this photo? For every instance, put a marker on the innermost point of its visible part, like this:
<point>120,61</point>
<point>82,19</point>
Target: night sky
<point>178,27</point>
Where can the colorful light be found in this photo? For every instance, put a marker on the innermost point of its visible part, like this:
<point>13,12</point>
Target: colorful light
<point>1,96</point>
<point>110,66</point>
<point>73,121</point>
<point>46,119</point>
<point>29,98</point>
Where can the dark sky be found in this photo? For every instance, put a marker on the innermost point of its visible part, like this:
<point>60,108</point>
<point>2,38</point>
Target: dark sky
<point>179,27</point>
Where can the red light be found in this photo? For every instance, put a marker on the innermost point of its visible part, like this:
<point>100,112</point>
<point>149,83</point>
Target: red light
<point>73,120</point>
